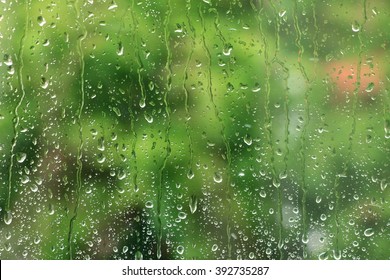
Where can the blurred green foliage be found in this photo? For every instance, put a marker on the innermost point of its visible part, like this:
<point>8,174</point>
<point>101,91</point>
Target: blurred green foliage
<point>194,129</point>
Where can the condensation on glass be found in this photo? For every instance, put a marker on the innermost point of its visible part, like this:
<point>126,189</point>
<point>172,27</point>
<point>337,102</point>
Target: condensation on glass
<point>144,129</point>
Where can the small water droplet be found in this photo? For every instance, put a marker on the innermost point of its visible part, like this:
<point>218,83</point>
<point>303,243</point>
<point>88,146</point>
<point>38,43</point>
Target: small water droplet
<point>101,158</point>
<point>21,157</point>
<point>112,6</point>
<point>248,139</point>
<point>44,83</point>
<point>33,187</point>
<point>337,254</point>
<point>369,232</point>
<point>180,249</point>
<point>149,204</point>
<point>25,179</point>
<point>190,174</point>
<point>355,26</point>
<point>139,256</point>
<point>142,102</point>
<point>148,117</point>
<point>182,215</point>
<point>282,13</point>
<point>41,21</point>
<point>8,218</point>
<point>323,217</point>
<point>117,111</point>
<point>193,203</point>
<point>263,194</point>
<point>370,87</point>
<point>121,174</point>
<point>125,249</point>
<point>323,256</point>
<point>214,248</point>
<point>120,49</point>
<point>217,177</point>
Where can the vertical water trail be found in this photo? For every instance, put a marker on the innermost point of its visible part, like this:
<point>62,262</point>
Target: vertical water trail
<point>268,120</point>
<point>304,128</point>
<point>16,119</point>
<point>186,92</point>
<point>277,60</point>
<point>168,67</point>
<point>142,102</point>
<point>337,253</point>
<point>222,132</point>
<point>79,167</point>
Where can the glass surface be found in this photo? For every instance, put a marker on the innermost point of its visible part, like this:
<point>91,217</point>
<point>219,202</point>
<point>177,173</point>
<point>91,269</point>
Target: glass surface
<point>183,129</point>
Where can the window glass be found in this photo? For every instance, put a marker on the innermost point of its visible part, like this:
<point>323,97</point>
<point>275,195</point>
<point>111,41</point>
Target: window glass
<point>183,129</point>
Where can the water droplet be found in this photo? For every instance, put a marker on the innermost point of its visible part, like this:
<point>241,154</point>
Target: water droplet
<point>117,111</point>
<point>125,249</point>
<point>323,256</point>
<point>148,117</point>
<point>217,177</point>
<point>21,157</point>
<point>180,249</point>
<point>25,179</point>
<point>263,194</point>
<point>8,218</point>
<point>256,88</point>
<point>41,21</point>
<point>355,26</point>
<point>227,49</point>
<point>370,87</point>
<point>149,204</point>
<point>121,174</point>
<point>120,49</point>
<point>182,215</point>
<point>383,184</point>
<point>100,158</point>
<point>33,187</point>
<point>44,83</point>
<point>112,6</point>
<point>323,217</point>
<point>190,174</point>
<point>305,239</point>
<point>139,256</point>
<point>282,13</point>
<point>337,254</point>
<point>193,203</point>
<point>248,139</point>
<point>369,232</point>
<point>214,248</point>
<point>251,255</point>
<point>142,102</point>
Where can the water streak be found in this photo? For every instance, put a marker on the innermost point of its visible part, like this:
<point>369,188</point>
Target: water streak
<point>16,119</point>
<point>222,132</point>
<point>79,167</point>
<point>168,67</point>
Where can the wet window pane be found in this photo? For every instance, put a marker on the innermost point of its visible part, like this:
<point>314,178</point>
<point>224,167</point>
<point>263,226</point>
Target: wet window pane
<point>141,129</point>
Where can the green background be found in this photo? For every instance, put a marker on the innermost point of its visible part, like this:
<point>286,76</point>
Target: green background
<point>194,129</point>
